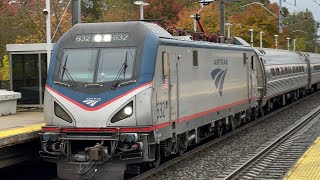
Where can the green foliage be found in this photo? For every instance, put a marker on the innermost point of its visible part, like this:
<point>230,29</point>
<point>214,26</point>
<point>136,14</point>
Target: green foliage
<point>4,70</point>
<point>301,27</point>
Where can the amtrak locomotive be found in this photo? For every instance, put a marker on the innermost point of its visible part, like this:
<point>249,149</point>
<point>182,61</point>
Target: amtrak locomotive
<point>124,94</point>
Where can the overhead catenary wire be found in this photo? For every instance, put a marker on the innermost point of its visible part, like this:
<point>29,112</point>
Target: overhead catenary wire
<point>60,20</point>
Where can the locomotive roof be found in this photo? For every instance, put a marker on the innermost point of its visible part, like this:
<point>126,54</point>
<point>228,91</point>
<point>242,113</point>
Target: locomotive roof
<point>140,30</point>
<point>203,44</point>
<point>136,27</point>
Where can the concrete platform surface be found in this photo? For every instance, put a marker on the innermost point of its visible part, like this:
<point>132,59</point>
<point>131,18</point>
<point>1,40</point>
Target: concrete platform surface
<point>20,119</point>
<point>20,127</point>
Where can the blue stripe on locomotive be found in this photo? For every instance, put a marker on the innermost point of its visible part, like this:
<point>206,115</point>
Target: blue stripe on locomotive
<point>147,67</point>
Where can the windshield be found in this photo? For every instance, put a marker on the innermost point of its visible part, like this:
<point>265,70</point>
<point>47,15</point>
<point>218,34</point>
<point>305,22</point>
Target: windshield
<point>111,60</point>
<point>79,63</point>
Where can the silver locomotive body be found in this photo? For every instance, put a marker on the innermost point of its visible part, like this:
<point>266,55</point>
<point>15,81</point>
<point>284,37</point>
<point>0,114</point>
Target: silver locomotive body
<point>205,84</point>
<point>122,94</point>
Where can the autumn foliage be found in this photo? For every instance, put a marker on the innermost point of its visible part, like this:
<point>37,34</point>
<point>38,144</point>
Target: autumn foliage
<point>166,10</point>
<point>23,21</point>
<point>256,18</point>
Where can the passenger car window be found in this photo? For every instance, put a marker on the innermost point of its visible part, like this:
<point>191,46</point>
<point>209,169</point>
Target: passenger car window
<point>281,71</point>
<point>273,72</point>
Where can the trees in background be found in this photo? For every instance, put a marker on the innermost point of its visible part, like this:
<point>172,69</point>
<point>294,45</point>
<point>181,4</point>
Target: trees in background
<point>299,26</point>
<point>4,69</point>
<point>256,18</point>
<point>23,21</point>
<point>166,10</point>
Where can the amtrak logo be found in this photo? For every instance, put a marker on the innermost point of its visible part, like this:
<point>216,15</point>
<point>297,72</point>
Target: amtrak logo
<point>218,75</point>
<point>91,101</point>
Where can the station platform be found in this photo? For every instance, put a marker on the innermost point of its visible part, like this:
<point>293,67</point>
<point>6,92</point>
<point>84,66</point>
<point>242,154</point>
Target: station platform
<point>308,166</point>
<point>20,127</point>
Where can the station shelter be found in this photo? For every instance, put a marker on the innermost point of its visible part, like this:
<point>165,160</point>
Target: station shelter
<point>28,72</point>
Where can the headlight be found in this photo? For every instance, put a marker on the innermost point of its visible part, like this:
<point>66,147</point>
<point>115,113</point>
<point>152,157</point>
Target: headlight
<point>60,113</point>
<point>107,38</point>
<point>128,110</point>
<point>97,38</point>
<point>125,112</point>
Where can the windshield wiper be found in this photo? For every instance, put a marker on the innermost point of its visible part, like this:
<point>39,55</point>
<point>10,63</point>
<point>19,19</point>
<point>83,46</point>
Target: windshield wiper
<point>61,83</point>
<point>68,75</point>
<point>127,83</point>
<point>122,70</point>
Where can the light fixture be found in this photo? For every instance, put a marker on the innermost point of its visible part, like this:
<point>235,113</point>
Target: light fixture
<point>128,110</point>
<point>97,38</point>
<point>107,38</point>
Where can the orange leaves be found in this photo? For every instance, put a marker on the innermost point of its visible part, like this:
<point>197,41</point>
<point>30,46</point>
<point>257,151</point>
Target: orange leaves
<point>259,19</point>
<point>209,18</point>
<point>250,17</point>
<point>167,10</point>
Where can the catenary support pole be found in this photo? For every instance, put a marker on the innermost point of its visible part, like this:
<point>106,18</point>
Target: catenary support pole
<point>48,31</point>
<point>315,37</point>
<point>222,18</point>
<point>76,12</point>
<point>280,17</point>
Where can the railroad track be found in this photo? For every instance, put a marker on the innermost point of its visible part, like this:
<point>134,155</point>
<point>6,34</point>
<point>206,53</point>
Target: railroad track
<point>274,158</point>
<point>232,173</point>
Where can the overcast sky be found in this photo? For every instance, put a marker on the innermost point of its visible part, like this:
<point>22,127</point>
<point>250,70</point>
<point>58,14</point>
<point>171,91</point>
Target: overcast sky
<point>302,5</point>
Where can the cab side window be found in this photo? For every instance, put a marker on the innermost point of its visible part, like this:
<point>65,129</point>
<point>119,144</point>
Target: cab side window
<point>165,64</point>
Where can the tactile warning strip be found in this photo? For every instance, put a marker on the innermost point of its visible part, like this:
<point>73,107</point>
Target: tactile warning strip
<point>308,166</point>
<point>21,130</point>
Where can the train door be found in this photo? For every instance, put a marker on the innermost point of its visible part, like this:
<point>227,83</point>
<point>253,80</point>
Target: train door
<point>246,65</point>
<point>307,60</point>
<point>249,60</point>
<point>173,91</point>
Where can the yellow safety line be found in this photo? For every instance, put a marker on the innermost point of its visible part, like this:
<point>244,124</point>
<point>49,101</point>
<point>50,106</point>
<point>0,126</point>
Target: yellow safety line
<point>21,130</point>
<point>302,158</point>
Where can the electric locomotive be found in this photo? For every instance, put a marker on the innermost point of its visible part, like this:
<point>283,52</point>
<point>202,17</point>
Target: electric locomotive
<point>125,93</point>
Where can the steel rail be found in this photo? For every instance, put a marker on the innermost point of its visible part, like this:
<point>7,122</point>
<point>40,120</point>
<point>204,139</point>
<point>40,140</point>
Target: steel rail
<point>215,141</point>
<point>287,134</point>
